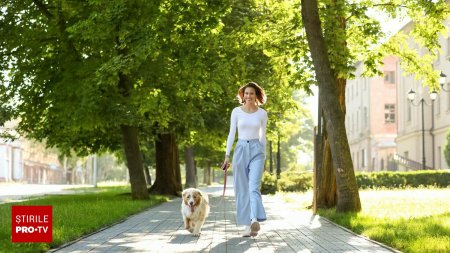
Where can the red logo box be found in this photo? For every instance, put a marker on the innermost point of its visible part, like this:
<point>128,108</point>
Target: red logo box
<point>31,223</point>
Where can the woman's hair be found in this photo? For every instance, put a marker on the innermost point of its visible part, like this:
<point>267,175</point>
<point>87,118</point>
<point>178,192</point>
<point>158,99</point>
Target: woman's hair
<point>260,93</point>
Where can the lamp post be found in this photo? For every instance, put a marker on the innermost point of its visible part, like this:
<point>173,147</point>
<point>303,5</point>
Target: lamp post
<point>411,97</point>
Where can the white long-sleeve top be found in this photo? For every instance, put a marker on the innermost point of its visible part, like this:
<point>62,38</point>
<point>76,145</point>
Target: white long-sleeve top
<point>249,125</point>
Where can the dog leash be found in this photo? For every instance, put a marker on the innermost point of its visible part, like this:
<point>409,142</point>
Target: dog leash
<point>225,169</point>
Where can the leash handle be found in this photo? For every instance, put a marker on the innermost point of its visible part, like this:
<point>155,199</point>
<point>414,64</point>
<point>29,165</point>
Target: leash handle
<point>225,169</point>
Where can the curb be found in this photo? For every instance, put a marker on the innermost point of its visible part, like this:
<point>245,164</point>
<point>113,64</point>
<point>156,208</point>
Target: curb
<point>104,228</point>
<point>358,235</point>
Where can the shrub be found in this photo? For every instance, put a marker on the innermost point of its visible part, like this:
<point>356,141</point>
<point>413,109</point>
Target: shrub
<point>269,183</point>
<point>393,179</point>
<point>291,181</point>
<point>447,149</point>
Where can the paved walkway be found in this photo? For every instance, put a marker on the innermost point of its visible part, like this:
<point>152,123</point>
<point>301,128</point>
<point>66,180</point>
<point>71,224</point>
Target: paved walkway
<point>160,229</point>
<point>17,192</point>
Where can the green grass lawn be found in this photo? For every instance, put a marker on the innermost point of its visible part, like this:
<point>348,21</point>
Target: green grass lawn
<point>409,220</point>
<point>76,215</point>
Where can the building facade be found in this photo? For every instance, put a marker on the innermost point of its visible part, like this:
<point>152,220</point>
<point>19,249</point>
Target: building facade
<point>413,143</point>
<point>11,157</point>
<point>41,165</point>
<point>27,161</point>
<point>371,118</point>
<point>11,165</point>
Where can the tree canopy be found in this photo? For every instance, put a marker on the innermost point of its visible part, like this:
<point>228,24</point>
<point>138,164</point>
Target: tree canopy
<point>93,76</point>
<point>104,75</point>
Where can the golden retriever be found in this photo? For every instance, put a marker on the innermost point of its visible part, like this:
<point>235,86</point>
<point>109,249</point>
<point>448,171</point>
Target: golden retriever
<point>195,209</point>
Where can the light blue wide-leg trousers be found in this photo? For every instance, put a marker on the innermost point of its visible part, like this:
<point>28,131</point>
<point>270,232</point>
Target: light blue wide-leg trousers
<point>248,167</point>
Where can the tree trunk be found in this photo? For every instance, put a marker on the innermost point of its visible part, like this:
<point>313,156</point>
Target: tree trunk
<point>168,176</point>
<point>347,188</point>
<point>324,178</point>
<point>191,175</point>
<point>131,147</point>
<point>278,159</point>
<point>148,177</point>
<point>134,162</point>
<point>271,158</point>
<point>207,173</point>
<point>326,185</point>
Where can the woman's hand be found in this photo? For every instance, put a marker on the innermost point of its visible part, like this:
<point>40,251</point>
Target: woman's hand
<point>226,163</point>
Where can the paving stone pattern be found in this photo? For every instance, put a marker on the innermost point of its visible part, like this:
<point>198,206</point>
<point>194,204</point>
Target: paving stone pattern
<point>160,229</point>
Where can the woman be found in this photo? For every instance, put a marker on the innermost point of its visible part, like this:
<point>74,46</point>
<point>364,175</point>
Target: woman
<point>249,156</point>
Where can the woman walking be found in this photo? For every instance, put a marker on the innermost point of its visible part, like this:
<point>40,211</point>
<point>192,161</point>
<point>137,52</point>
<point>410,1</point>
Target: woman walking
<point>249,155</point>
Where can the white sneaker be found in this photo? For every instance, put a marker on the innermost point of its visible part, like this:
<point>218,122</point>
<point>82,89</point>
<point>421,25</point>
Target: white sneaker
<point>254,228</point>
<point>247,231</point>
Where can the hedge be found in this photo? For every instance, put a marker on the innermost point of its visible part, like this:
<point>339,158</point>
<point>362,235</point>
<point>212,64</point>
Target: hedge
<point>392,179</point>
<point>292,181</point>
<point>289,181</point>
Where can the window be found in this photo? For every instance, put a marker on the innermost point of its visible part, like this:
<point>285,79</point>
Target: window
<point>408,113</point>
<point>389,113</point>
<point>365,118</point>
<point>347,93</point>
<point>389,77</point>
<point>353,123</point>
<point>353,161</point>
<point>357,121</point>
<point>406,154</point>
<point>346,124</point>
<point>8,160</point>
<point>357,159</point>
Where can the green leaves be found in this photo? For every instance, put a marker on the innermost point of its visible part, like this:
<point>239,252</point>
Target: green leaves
<point>184,61</point>
<point>353,34</point>
<point>412,62</point>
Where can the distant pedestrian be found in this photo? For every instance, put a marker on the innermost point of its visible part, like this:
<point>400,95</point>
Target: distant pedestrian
<point>249,155</point>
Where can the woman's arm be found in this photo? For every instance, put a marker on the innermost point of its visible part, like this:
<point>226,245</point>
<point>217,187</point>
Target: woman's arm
<point>232,133</point>
<point>262,135</point>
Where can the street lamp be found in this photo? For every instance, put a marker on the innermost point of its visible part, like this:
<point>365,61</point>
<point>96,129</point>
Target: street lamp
<point>411,97</point>
<point>442,77</point>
